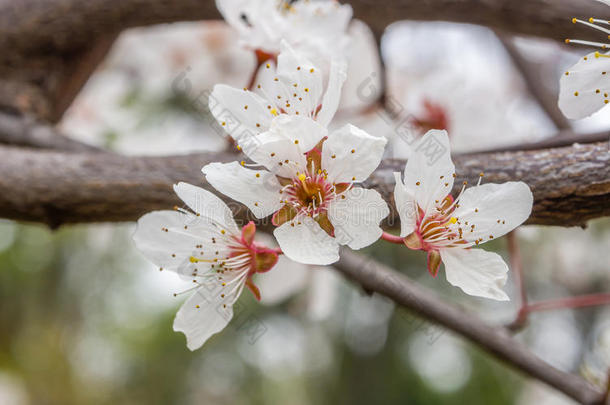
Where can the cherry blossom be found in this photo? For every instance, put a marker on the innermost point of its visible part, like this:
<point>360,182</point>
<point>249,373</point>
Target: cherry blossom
<point>585,86</point>
<point>203,243</point>
<point>316,27</point>
<point>295,88</point>
<point>308,186</point>
<point>447,228</point>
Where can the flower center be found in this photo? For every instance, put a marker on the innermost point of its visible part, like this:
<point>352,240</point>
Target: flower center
<point>441,229</point>
<point>438,230</point>
<point>310,194</point>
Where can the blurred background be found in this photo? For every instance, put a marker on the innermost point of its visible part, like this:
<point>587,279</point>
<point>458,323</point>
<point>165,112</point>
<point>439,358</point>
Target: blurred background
<point>85,319</point>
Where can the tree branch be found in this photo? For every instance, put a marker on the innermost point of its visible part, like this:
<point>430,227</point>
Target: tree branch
<point>25,131</point>
<point>49,46</point>
<point>31,26</point>
<point>542,18</point>
<point>563,138</point>
<point>571,185</point>
<point>530,72</point>
<point>373,276</point>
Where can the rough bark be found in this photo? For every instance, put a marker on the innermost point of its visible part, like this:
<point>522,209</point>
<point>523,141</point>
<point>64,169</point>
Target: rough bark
<point>49,47</point>
<point>35,26</point>
<point>542,18</point>
<point>571,185</point>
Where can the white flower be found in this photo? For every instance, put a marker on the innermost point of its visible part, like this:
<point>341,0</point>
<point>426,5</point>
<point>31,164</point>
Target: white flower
<point>585,87</point>
<point>308,186</point>
<point>296,88</point>
<point>203,243</point>
<point>447,228</point>
<point>316,27</point>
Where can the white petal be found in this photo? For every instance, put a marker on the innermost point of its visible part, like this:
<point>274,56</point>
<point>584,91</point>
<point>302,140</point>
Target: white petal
<point>231,10</point>
<point>303,132</point>
<point>279,155</point>
<point>286,279</point>
<point>204,314</point>
<point>584,90</point>
<point>161,237</point>
<point>259,193</point>
<point>323,20</point>
<point>330,101</point>
<point>289,139</point>
<point>363,85</point>
<point>430,165</point>
<point>303,241</point>
<point>406,207</point>
<point>294,68</point>
<point>476,272</point>
<point>281,94</point>
<point>238,112</point>
<point>493,209</point>
<point>356,217</point>
<point>207,205</point>
<point>351,155</point>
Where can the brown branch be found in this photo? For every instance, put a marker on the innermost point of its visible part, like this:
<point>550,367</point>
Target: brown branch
<point>373,276</point>
<point>31,26</point>
<point>542,18</point>
<point>60,26</point>
<point>570,185</point>
<point>50,46</point>
<point>22,131</point>
<point>530,72</point>
<point>75,73</point>
<point>563,138</point>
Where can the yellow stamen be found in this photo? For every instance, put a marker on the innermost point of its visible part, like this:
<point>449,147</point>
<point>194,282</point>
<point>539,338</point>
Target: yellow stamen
<point>193,259</point>
<point>302,178</point>
<point>453,220</point>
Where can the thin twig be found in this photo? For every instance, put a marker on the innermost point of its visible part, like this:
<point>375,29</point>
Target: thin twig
<point>583,301</point>
<point>516,263</point>
<point>531,75</point>
<point>525,308</point>
<point>377,277</point>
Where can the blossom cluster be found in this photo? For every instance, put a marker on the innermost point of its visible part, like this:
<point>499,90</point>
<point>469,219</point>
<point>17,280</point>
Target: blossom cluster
<point>309,177</point>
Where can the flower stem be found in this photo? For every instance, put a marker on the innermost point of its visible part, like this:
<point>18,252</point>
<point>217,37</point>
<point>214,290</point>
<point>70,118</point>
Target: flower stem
<point>261,57</point>
<point>252,80</point>
<point>571,302</point>
<point>392,238</point>
<point>549,305</point>
<point>516,264</point>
